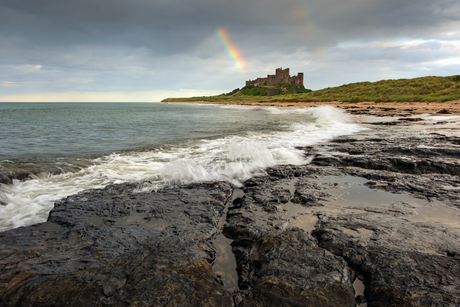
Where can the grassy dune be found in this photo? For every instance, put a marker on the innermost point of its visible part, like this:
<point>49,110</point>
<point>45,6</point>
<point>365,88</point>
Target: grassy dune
<point>439,89</point>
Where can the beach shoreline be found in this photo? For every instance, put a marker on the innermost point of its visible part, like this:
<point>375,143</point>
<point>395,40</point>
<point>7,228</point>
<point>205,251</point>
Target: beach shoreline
<point>371,107</point>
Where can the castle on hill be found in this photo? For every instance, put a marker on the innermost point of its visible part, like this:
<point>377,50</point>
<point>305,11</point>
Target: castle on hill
<point>280,76</point>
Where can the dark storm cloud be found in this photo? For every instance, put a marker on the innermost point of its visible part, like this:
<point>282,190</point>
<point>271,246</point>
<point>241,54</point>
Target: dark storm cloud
<point>58,45</point>
<point>164,26</point>
<point>175,26</point>
<point>377,19</point>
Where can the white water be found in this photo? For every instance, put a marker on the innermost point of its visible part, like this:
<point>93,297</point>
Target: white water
<point>232,158</point>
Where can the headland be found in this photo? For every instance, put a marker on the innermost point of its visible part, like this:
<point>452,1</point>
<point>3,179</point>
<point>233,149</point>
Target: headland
<point>417,95</point>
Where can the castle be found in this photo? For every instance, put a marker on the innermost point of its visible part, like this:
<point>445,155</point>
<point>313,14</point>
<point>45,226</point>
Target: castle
<point>281,76</point>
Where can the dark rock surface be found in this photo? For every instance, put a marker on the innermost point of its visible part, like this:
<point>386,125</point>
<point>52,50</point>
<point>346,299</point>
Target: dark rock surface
<point>381,207</point>
<point>25,169</point>
<point>286,267</point>
<point>112,247</point>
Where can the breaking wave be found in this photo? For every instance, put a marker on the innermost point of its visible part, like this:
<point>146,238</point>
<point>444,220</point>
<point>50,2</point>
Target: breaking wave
<point>233,158</point>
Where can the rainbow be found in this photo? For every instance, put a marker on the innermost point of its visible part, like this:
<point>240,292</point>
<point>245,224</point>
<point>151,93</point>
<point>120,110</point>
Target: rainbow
<point>232,52</point>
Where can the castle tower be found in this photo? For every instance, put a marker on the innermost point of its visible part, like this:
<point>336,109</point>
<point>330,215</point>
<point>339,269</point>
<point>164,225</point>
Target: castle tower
<point>282,73</point>
<point>300,79</point>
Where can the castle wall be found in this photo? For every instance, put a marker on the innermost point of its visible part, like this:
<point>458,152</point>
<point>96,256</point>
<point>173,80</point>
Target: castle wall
<point>280,76</point>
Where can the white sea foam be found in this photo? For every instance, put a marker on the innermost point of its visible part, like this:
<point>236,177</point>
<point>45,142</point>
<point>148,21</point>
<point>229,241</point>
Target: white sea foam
<point>232,158</point>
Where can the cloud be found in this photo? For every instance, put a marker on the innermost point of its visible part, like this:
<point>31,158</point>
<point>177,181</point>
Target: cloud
<point>57,46</point>
<point>132,96</point>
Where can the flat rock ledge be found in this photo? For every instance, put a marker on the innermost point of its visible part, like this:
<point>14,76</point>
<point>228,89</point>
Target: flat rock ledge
<point>380,209</point>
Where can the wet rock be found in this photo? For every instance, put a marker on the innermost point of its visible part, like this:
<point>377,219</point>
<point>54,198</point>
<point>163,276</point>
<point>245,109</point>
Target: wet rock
<point>383,205</point>
<point>287,268</point>
<point>406,257</point>
<point>4,178</point>
<point>411,119</point>
<point>22,171</point>
<point>115,247</point>
<point>444,111</point>
<point>360,299</point>
<point>308,197</point>
<point>413,155</point>
<point>279,265</point>
<point>386,123</point>
<point>396,273</point>
<point>444,122</point>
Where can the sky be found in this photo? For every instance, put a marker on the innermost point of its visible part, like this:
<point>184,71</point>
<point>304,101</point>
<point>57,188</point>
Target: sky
<point>147,50</point>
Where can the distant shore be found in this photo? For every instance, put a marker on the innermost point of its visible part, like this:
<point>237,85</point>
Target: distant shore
<point>449,107</point>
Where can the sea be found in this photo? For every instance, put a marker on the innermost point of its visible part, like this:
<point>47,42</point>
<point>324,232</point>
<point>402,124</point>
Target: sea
<point>64,148</point>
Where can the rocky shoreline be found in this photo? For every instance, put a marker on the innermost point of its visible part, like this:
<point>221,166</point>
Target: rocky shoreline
<point>383,108</point>
<point>372,220</point>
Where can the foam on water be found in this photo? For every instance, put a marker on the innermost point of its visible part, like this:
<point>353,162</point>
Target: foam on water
<point>232,158</point>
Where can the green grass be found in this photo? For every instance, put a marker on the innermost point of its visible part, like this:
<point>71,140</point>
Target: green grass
<point>425,89</point>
